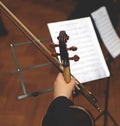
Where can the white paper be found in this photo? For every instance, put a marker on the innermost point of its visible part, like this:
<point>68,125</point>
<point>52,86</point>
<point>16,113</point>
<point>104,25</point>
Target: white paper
<point>91,65</point>
<point>107,31</point>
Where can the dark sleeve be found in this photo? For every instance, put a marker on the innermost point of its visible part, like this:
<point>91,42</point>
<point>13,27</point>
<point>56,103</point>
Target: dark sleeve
<point>57,112</point>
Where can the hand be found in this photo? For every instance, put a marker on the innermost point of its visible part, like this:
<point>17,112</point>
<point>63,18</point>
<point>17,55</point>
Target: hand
<point>61,88</point>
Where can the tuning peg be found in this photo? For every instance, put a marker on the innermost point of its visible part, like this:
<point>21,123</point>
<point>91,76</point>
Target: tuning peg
<point>53,45</point>
<point>75,58</point>
<point>55,54</point>
<point>73,48</point>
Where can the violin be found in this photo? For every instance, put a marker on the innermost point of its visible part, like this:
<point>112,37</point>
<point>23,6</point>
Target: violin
<point>80,113</point>
<point>47,53</point>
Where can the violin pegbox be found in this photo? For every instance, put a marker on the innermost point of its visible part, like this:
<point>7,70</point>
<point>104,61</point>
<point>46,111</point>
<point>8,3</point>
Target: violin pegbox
<point>63,50</point>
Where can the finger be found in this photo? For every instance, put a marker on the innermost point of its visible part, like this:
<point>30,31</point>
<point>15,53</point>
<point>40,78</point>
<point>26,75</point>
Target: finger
<point>73,81</point>
<point>60,75</point>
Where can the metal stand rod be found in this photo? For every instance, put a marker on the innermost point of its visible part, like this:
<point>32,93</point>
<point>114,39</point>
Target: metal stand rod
<point>106,112</point>
<point>18,69</point>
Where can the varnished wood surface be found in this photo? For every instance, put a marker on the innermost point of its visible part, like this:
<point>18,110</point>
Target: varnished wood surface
<point>28,112</point>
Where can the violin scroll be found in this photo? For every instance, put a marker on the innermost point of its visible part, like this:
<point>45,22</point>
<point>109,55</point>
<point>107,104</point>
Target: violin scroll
<point>63,37</point>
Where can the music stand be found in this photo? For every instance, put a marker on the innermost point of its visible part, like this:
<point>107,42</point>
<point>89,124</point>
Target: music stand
<point>20,70</point>
<point>106,112</point>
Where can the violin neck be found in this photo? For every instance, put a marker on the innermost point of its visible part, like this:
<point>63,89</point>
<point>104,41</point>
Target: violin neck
<point>66,73</point>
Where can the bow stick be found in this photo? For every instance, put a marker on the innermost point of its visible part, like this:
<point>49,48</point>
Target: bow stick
<point>91,98</point>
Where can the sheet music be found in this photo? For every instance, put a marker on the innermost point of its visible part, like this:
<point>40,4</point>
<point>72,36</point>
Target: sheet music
<point>107,31</point>
<point>91,65</point>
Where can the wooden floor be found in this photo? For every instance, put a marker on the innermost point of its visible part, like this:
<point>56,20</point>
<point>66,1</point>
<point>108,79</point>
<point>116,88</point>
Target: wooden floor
<point>35,14</point>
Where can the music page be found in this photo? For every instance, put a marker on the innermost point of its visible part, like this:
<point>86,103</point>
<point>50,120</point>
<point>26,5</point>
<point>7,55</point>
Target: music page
<point>107,31</point>
<point>91,65</point>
